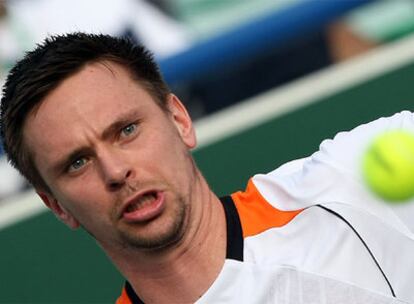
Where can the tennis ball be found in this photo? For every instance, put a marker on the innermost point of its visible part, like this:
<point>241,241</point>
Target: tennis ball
<point>388,166</point>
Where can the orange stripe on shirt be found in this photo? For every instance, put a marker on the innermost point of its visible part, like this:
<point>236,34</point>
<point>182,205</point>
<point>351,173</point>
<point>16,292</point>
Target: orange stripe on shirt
<point>123,299</point>
<point>256,214</point>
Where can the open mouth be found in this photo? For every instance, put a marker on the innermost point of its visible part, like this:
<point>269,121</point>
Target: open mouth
<point>144,206</point>
<point>142,201</point>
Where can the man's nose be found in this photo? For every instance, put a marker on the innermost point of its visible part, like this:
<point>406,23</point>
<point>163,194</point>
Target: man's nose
<point>116,168</point>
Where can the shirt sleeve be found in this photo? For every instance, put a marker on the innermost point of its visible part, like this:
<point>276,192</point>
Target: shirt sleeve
<point>334,174</point>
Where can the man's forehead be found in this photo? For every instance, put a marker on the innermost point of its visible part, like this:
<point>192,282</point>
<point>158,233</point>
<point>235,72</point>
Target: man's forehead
<point>97,81</point>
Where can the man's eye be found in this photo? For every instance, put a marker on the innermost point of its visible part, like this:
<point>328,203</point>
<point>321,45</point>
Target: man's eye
<point>128,130</point>
<point>77,164</point>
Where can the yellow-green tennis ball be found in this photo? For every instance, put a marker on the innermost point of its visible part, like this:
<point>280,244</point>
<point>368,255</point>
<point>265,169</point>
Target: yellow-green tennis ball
<point>388,166</point>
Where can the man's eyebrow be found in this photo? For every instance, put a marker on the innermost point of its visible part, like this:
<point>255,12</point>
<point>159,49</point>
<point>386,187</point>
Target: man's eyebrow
<point>119,123</point>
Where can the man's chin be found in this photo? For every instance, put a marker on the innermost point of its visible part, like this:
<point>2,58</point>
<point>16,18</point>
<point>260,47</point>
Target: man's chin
<point>158,242</point>
<point>151,238</point>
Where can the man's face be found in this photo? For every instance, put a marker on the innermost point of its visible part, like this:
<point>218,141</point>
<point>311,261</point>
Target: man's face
<point>116,163</point>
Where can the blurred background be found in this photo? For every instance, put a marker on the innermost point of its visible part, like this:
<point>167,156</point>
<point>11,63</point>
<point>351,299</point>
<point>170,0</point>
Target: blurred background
<point>264,80</point>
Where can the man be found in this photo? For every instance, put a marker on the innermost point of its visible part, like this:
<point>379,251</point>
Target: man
<point>88,120</point>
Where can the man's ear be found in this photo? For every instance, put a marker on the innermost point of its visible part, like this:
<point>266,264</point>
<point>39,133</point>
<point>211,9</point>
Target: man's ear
<point>182,121</point>
<point>60,212</point>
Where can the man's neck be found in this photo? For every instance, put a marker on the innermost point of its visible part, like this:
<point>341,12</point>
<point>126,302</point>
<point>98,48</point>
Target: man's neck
<point>184,273</point>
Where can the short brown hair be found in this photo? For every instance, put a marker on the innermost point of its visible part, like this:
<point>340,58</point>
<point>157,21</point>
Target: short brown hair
<point>51,62</point>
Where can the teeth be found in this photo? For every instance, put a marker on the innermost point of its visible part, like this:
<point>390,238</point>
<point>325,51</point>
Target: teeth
<point>143,201</point>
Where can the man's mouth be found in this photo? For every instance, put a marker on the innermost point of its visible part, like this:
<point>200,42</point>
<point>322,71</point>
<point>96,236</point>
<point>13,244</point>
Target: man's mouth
<point>144,206</point>
<point>141,202</point>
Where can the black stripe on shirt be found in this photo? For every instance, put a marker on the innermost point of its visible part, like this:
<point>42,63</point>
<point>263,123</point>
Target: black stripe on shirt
<point>364,243</point>
<point>234,230</point>
<point>132,295</point>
